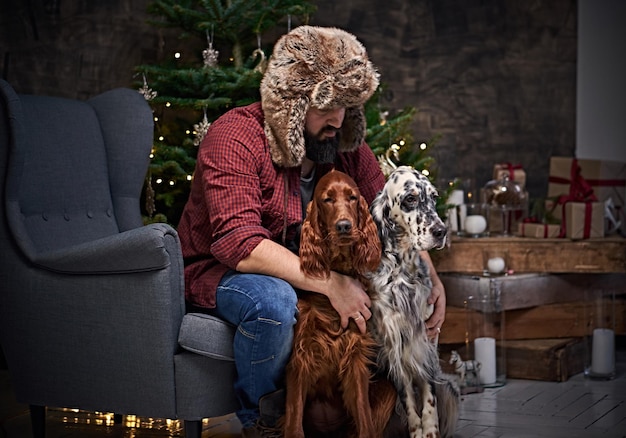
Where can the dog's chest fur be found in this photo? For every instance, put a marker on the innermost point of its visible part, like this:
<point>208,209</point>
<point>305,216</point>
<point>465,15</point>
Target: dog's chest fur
<point>410,288</point>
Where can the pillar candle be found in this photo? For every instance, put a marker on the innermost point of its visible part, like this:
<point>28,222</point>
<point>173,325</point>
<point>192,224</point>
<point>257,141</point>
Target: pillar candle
<point>457,215</point>
<point>456,197</point>
<point>603,351</point>
<point>485,353</point>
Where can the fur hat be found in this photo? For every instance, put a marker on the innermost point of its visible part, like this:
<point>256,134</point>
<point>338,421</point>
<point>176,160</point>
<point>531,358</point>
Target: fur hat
<point>314,67</point>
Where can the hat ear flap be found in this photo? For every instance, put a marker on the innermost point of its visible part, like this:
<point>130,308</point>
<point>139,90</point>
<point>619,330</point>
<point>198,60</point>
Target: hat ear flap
<point>295,130</point>
<point>353,129</point>
<point>286,140</point>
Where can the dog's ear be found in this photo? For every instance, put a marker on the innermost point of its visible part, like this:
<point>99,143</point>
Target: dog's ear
<point>380,210</point>
<point>367,251</point>
<point>314,256</point>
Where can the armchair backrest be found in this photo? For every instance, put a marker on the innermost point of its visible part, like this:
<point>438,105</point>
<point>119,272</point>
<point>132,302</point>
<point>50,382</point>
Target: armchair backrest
<point>71,177</point>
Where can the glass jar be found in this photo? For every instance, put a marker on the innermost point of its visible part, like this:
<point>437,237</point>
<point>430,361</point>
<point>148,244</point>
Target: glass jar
<point>507,203</point>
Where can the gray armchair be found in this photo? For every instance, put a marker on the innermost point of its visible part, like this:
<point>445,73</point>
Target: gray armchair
<point>92,312</point>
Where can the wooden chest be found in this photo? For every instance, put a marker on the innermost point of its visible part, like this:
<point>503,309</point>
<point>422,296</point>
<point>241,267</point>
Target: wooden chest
<point>535,305</point>
<point>545,359</point>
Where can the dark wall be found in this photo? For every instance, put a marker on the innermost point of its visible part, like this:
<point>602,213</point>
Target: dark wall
<point>75,48</point>
<point>495,78</point>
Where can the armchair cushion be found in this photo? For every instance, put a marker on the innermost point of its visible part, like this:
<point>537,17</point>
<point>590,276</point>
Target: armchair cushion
<point>136,250</point>
<point>207,335</point>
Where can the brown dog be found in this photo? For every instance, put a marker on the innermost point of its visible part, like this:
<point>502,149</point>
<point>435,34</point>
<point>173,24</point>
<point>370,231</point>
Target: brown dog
<point>329,365</point>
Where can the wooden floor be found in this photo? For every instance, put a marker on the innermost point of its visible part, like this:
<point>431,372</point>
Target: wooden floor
<point>521,408</point>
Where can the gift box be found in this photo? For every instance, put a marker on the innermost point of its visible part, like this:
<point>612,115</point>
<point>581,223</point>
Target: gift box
<point>604,179</point>
<point>583,220</point>
<point>541,231</point>
<point>515,172</point>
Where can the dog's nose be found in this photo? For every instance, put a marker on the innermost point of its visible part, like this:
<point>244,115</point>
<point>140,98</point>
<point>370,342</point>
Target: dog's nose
<point>343,226</point>
<point>440,231</point>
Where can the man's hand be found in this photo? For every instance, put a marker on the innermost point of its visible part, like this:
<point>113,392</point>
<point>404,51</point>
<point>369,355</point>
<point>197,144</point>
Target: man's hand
<point>437,298</point>
<point>349,299</point>
<point>346,294</point>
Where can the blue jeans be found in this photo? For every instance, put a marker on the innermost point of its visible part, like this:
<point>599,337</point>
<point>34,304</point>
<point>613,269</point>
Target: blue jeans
<point>263,309</point>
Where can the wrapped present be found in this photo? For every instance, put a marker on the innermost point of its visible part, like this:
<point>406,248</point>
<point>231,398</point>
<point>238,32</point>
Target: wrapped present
<point>537,230</point>
<point>515,172</point>
<point>605,179</point>
<point>583,220</point>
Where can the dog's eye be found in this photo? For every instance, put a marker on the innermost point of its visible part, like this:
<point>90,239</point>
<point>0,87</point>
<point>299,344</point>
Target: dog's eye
<point>328,200</point>
<point>353,198</point>
<point>410,201</point>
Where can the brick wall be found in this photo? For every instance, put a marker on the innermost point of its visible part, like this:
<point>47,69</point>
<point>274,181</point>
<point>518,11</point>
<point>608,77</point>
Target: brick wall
<point>495,78</point>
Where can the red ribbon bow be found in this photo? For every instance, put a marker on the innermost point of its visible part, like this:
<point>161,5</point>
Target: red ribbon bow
<point>579,191</point>
<point>511,168</point>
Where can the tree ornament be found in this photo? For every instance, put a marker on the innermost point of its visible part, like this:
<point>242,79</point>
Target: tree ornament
<point>386,163</point>
<point>150,196</point>
<point>146,91</point>
<point>201,129</point>
<point>209,55</point>
<point>262,64</point>
<point>383,117</point>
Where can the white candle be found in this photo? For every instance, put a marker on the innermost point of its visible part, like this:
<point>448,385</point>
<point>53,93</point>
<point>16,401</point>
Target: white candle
<point>457,216</point>
<point>485,353</point>
<point>495,265</point>
<point>453,219</point>
<point>456,197</point>
<point>475,224</point>
<point>603,351</point>
<point>461,214</point>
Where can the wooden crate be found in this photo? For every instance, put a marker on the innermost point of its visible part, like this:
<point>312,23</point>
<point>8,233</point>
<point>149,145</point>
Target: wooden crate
<point>545,359</point>
<point>535,305</point>
<point>558,320</point>
<point>603,255</point>
<point>519,291</point>
<point>553,360</point>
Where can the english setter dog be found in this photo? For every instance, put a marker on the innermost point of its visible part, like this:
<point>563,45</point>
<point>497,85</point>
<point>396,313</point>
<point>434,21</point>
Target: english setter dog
<point>406,217</point>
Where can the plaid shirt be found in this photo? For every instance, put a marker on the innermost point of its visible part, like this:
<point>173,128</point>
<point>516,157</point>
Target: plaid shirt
<point>239,197</point>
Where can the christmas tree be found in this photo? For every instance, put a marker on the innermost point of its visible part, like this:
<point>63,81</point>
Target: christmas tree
<point>188,93</point>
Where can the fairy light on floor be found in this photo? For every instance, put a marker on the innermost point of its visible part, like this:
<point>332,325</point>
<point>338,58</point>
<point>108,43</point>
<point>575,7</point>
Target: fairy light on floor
<point>78,422</point>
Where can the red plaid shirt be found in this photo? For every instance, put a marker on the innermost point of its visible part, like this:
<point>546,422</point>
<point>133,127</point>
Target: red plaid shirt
<point>239,197</point>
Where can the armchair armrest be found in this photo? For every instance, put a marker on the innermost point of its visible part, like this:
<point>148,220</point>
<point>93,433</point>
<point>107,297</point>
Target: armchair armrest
<point>138,250</point>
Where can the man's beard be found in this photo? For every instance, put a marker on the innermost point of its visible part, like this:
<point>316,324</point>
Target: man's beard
<point>321,151</point>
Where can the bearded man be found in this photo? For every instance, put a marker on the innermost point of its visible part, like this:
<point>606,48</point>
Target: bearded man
<point>256,171</point>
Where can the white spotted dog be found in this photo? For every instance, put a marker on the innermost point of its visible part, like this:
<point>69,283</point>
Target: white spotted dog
<point>407,221</point>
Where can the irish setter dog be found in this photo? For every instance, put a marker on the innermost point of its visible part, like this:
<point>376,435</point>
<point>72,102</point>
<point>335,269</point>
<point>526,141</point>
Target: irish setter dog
<point>330,366</point>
